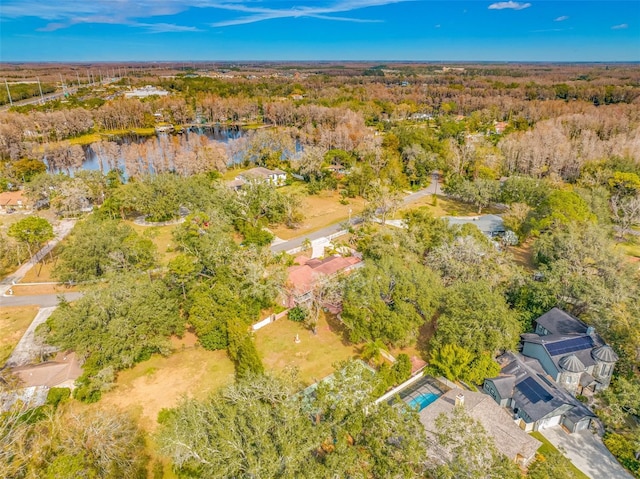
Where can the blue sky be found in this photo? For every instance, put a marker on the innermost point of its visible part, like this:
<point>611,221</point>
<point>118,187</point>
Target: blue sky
<point>456,30</point>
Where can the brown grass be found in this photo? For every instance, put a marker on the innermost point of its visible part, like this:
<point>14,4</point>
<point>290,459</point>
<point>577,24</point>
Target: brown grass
<point>31,290</point>
<point>523,255</point>
<point>447,207</point>
<point>319,211</point>
<point>14,321</point>
<point>161,382</point>
<point>314,355</point>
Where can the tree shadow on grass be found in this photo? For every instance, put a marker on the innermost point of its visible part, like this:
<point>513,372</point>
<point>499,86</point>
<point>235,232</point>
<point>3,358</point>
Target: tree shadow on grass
<point>425,334</point>
<point>338,328</point>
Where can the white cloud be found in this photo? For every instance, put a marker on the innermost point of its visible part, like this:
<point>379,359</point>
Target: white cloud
<point>562,18</point>
<point>622,26</point>
<point>65,13</point>
<point>165,27</point>
<point>509,5</point>
<point>261,14</point>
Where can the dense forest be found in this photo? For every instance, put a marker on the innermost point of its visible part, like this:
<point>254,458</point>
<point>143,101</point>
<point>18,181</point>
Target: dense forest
<point>555,150</point>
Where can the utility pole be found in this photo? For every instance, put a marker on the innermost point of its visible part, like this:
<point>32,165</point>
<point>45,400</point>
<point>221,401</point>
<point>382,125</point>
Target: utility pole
<point>8,92</point>
<point>40,87</point>
<point>78,77</point>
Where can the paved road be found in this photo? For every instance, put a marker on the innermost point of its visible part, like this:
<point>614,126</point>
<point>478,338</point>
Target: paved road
<point>587,452</point>
<point>42,300</point>
<point>29,349</point>
<point>334,228</point>
<point>62,229</point>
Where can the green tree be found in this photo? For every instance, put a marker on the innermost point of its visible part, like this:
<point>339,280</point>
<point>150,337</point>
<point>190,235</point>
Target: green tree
<point>389,300</point>
<point>254,428</point>
<point>551,465</point>
<point>480,192</point>
<point>243,352</point>
<point>481,368</point>
<point>213,306</point>
<point>97,246</point>
<point>450,361</point>
<point>463,449</point>
<point>181,270</point>
<point>523,189</point>
<point>31,231</point>
<point>114,328</point>
<point>561,207</point>
<point>476,317</point>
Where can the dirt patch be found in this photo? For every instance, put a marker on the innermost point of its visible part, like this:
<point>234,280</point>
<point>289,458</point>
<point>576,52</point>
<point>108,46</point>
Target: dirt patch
<point>188,340</point>
<point>523,255</point>
<point>162,382</point>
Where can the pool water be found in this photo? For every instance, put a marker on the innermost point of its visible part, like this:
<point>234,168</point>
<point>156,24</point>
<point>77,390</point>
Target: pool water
<point>422,401</point>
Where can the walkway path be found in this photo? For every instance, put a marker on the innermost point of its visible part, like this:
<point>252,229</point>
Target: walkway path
<point>587,452</point>
<point>29,349</point>
<point>61,230</point>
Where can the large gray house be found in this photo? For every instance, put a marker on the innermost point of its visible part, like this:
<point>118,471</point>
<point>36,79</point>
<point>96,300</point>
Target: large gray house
<point>564,357</point>
<point>571,352</point>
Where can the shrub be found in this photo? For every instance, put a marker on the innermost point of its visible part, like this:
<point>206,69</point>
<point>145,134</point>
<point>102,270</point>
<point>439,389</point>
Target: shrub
<point>297,314</point>
<point>57,395</point>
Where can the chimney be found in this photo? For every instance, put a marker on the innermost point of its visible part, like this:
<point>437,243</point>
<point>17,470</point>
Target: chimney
<point>460,400</point>
<point>591,330</point>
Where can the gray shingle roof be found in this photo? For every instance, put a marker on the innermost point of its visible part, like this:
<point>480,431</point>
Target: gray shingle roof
<point>559,322</point>
<point>509,439</point>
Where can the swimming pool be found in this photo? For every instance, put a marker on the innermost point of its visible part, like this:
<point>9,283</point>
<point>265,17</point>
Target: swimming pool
<point>422,401</point>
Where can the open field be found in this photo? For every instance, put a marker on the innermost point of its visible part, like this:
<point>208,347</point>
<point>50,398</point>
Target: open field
<point>547,447</point>
<point>319,211</point>
<point>447,207</point>
<point>314,355</point>
<point>161,381</point>
<point>14,321</point>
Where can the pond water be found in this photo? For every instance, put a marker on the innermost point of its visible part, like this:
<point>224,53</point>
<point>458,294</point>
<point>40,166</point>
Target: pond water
<point>217,133</point>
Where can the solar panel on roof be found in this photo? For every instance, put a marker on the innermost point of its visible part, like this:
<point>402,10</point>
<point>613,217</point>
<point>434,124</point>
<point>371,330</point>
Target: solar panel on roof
<point>533,391</point>
<point>569,345</point>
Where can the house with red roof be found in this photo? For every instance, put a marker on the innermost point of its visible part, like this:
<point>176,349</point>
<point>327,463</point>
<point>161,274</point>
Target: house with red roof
<point>308,271</point>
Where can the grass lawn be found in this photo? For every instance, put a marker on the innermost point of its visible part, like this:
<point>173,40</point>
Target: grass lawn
<point>319,210</point>
<point>161,381</point>
<point>547,447</point>
<point>162,237</point>
<point>14,321</point>
<point>41,272</point>
<point>314,355</point>
<point>447,207</point>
